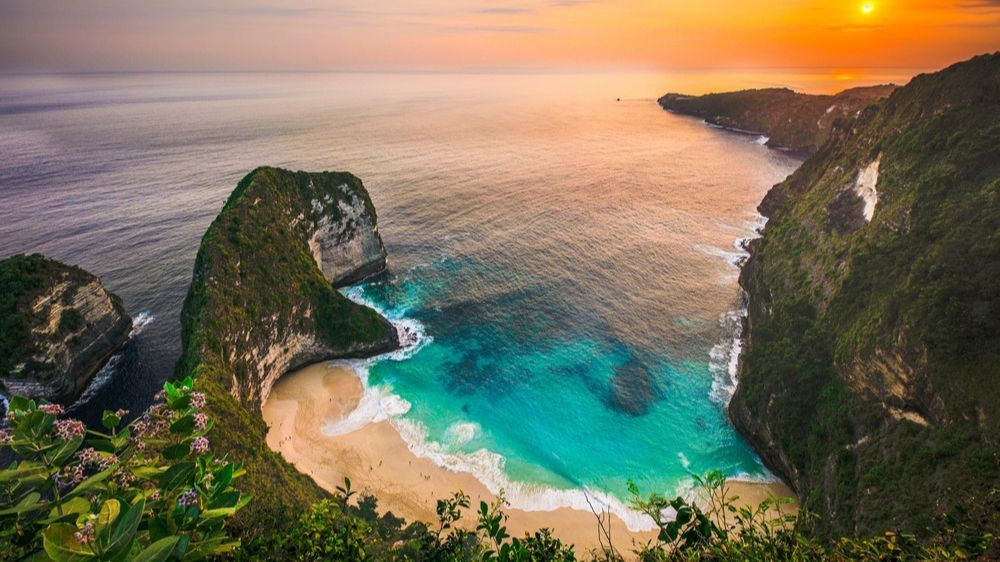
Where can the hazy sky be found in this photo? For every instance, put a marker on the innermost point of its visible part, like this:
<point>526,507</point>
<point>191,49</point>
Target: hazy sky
<point>485,35</point>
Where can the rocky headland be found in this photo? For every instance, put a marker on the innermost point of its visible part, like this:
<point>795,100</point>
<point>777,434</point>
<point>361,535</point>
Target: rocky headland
<point>790,120</point>
<point>263,301</point>
<point>58,327</point>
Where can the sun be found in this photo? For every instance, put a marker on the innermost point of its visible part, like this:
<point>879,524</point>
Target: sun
<point>867,7</point>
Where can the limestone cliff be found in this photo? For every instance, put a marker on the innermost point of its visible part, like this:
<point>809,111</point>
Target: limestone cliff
<point>59,326</point>
<point>263,301</point>
<point>800,122</point>
<point>870,374</point>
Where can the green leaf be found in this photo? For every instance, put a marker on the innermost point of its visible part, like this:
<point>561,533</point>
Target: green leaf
<point>110,420</point>
<point>20,404</point>
<point>27,503</point>
<point>27,472</point>
<point>148,472</point>
<point>223,477</point>
<point>90,483</point>
<point>177,475</point>
<point>63,451</point>
<point>178,451</point>
<point>227,499</point>
<point>158,551</point>
<point>61,544</point>
<point>77,505</point>
<point>183,425</point>
<point>124,528</point>
<point>109,512</point>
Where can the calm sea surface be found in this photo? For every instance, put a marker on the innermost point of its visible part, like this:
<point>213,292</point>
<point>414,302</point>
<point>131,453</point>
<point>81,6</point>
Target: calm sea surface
<point>568,258</point>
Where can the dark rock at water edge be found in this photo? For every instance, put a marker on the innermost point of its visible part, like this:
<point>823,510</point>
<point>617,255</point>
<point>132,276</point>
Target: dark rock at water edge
<point>59,327</point>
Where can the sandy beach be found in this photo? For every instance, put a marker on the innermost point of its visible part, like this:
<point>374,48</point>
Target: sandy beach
<point>378,461</point>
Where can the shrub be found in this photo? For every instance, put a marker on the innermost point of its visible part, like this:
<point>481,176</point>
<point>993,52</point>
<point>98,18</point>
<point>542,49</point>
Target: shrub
<point>151,490</point>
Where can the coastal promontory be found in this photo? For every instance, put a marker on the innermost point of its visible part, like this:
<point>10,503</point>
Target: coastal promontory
<point>263,301</point>
<point>869,379</point>
<point>791,120</point>
<point>58,326</point>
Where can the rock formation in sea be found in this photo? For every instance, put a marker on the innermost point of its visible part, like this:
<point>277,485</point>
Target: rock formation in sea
<point>869,379</point>
<point>800,122</point>
<point>263,301</point>
<point>58,327</point>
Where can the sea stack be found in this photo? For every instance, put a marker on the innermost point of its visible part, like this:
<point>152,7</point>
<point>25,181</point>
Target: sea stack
<point>264,301</point>
<point>59,327</point>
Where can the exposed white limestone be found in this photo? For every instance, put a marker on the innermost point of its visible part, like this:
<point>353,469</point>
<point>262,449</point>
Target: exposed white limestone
<point>346,244</point>
<point>864,187</point>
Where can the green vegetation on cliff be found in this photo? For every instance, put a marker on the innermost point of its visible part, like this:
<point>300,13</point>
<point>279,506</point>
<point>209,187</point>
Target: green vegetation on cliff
<point>791,120</point>
<point>870,378</point>
<point>259,306</point>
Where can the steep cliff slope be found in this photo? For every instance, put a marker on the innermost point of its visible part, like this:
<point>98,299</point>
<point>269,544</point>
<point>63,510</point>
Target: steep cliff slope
<point>58,326</point>
<point>261,303</point>
<point>871,377</point>
<point>791,120</point>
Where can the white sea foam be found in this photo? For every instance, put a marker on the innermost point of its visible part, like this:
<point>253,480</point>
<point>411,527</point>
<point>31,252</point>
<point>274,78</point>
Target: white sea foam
<point>461,433</point>
<point>732,258</point>
<point>724,358</point>
<point>684,460</point>
<point>107,372</point>
<point>379,403</point>
<point>412,333</point>
<point>140,322</point>
<point>488,468</point>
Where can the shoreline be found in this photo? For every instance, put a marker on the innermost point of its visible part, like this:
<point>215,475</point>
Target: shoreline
<point>379,461</point>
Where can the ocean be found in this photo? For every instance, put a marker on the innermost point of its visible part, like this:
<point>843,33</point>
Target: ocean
<point>565,250</point>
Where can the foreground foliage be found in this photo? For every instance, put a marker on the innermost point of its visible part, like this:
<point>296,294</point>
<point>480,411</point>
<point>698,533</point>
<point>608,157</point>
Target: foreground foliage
<point>151,490</point>
<point>713,527</point>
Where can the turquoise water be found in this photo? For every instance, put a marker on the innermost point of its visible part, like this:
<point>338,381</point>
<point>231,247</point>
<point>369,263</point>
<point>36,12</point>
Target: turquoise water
<point>567,256</point>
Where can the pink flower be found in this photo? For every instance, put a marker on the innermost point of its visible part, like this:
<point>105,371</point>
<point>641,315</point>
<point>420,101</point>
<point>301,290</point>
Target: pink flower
<point>189,497</point>
<point>88,456</point>
<point>104,462</point>
<point>123,477</point>
<point>68,430</point>
<point>85,535</point>
<point>5,437</point>
<point>199,445</point>
<point>69,477</point>
<point>200,422</point>
<point>52,409</point>
<point>198,400</point>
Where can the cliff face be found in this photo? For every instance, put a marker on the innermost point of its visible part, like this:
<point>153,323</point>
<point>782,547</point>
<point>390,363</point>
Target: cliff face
<point>800,122</point>
<point>870,376</point>
<point>59,326</point>
<point>261,303</point>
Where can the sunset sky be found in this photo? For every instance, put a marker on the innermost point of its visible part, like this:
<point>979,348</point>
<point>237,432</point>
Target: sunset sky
<point>492,35</point>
